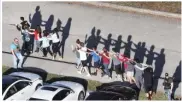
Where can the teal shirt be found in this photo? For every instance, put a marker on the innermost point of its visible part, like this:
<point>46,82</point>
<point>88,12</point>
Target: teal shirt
<point>15,48</point>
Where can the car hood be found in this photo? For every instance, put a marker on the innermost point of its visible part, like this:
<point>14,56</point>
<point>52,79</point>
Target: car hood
<point>28,75</point>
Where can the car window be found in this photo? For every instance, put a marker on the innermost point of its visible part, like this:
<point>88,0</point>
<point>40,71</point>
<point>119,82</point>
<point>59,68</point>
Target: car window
<point>10,92</point>
<point>20,85</point>
<point>62,94</point>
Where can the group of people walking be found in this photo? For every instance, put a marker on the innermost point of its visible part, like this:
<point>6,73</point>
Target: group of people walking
<point>126,69</point>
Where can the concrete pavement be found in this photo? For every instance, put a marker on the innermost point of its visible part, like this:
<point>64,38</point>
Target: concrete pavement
<point>160,32</point>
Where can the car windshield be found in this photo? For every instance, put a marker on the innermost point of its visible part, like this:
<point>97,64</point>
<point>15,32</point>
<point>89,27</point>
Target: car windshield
<point>7,81</point>
<point>37,99</point>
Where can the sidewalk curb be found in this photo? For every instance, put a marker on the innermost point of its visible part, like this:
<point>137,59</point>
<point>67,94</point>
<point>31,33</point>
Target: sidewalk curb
<point>131,9</point>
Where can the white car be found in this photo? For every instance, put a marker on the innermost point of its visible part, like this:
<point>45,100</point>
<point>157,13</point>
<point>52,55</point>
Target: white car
<point>20,85</point>
<point>60,90</point>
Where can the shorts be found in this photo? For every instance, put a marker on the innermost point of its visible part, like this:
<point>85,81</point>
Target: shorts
<point>129,73</point>
<point>148,88</point>
<point>84,63</point>
<point>96,64</point>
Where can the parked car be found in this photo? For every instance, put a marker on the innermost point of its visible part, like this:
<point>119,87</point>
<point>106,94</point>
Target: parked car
<point>20,85</point>
<point>115,91</point>
<point>60,90</point>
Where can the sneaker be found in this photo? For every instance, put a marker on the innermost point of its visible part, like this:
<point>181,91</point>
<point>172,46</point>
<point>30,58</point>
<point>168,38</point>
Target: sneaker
<point>79,72</point>
<point>60,58</point>
<point>88,75</point>
<point>53,58</point>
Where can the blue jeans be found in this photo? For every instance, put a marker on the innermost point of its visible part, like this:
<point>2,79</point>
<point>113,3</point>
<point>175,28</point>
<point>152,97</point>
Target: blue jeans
<point>19,63</point>
<point>106,69</point>
<point>168,93</point>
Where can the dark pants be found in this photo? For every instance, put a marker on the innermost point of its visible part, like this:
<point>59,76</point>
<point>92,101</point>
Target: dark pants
<point>46,50</point>
<point>55,49</point>
<point>118,68</point>
<point>26,48</point>
<point>31,42</point>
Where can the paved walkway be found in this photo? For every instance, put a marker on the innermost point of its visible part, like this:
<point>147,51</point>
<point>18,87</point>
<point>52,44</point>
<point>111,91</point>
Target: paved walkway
<point>160,32</point>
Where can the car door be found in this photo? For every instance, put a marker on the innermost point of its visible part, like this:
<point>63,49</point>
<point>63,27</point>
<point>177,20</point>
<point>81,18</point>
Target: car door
<point>24,89</point>
<point>12,94</point>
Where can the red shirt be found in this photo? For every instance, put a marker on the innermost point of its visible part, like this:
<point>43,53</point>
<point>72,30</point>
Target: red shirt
<point>124,60</point>
<point>105,59</point>
<point>36,35</point>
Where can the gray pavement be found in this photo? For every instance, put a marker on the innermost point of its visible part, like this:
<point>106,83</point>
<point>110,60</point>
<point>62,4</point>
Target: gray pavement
<point>160,32</point>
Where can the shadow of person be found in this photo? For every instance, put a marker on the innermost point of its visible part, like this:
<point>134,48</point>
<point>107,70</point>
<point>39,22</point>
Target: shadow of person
<point>117,44</point>
<point>177,79</point>
<point>35,70</point>
<point>127,46</point>
<point>65,35</point>
<point>72,79</point>
<point>48,24</point>
<point>98,38</point>
<point>36,19</point>
<point>107,42</point>
<point>58,25</point>
<point>142,51</point>
<point>137,51</point>
<point>90,42</point>
<point>150,55</point>
<point>159,65</point>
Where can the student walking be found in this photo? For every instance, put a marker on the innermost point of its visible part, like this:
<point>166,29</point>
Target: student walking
<point>26,32</point>
<point>55,43</point>
<point>148,82</point>
<point>75,50</point>
<point>17,57</point>
<point>96,59</point>
<point>105,62</point>
<point>83,57</point>
<point>45,44</point>
<point>168,86</point>
<point>117,64</point>
<point>37,36</point>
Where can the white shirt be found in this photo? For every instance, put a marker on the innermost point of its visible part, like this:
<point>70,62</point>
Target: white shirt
<point>83,54</point>
<point>54,38</point>
<point>45,42</point>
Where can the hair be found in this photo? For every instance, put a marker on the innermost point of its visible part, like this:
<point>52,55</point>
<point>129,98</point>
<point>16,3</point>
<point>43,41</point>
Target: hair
<point>137,60</point>
<point>78,41</point>
<point>22,18</point>
<point>166,74</point>
<point>44,33</point>
<point>15,39</point>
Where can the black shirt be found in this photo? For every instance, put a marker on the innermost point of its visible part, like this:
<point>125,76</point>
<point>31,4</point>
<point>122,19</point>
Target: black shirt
<point>148,77</point>
<point>167,83</point>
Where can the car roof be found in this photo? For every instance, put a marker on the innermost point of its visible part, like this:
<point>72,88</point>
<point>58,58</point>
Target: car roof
<point>26,75</point>
<point>46,92</point>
